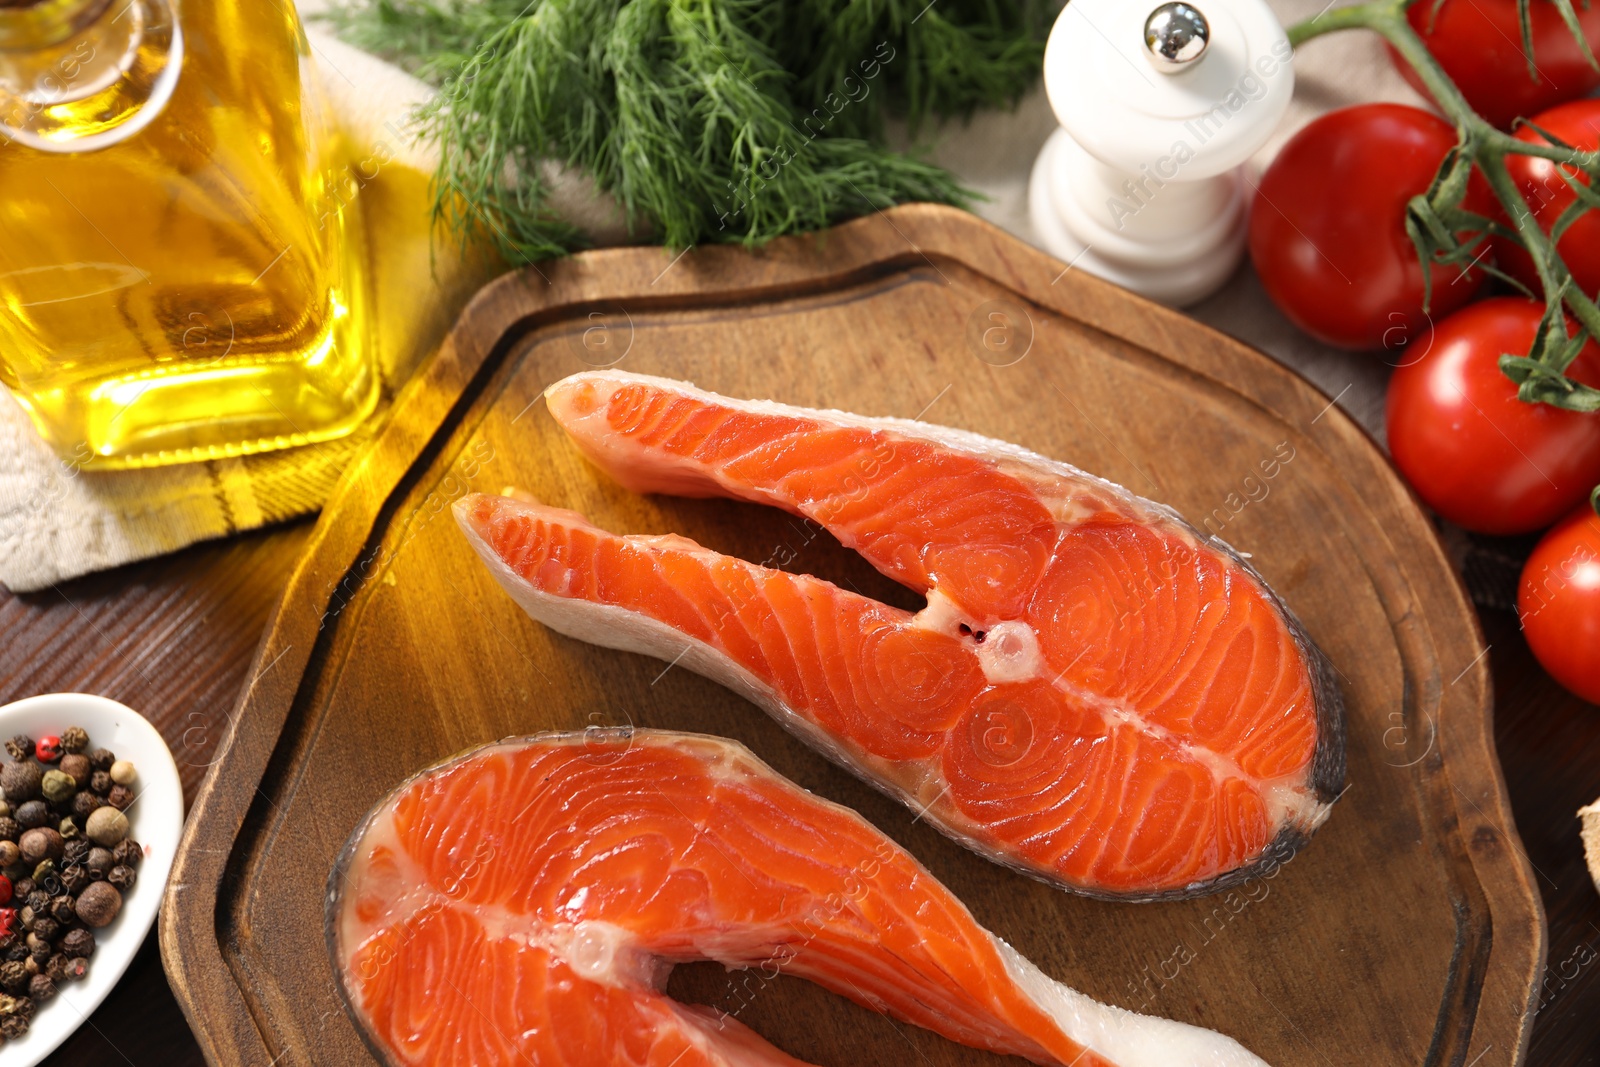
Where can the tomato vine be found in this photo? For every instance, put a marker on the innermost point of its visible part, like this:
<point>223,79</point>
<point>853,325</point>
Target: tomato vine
<point>1445,233</point>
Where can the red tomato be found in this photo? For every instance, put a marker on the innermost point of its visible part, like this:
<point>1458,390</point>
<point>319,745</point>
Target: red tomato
<point>1559,602</point>
<point>1475,453</point>
<point>1479,45</point>
<point>1548,194</point>
<point>1328,234</point>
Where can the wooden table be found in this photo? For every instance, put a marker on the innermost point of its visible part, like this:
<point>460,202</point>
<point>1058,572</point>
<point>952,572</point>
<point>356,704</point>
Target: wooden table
<point>174,637</point>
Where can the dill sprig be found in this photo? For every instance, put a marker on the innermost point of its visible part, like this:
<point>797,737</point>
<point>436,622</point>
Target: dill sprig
<point>708,120</point>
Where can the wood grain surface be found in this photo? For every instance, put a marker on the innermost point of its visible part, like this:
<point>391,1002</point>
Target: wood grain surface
<point>1409,931</point>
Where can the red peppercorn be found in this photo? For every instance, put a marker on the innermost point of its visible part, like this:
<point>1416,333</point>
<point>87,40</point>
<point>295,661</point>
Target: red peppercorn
<point>5,890</point>
<point>47,749</point>
<point>8,921</point>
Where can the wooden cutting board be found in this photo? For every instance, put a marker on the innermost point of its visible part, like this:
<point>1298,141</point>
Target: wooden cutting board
<point>1407,932</point>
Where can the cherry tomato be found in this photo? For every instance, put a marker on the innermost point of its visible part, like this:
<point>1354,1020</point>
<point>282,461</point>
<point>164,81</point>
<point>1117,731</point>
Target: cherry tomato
<point>1475,453</point>
<point>1548,194</point>
<point>1559,602</point>
<point>1328,234</point>
<point>1479,45</point>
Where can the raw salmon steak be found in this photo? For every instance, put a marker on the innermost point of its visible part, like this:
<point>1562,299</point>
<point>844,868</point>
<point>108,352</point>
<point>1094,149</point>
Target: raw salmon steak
<point>1095,693</point>
<point>524,903</point>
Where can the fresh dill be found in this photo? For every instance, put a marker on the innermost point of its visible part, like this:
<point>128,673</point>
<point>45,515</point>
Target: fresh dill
<point>708,120</point>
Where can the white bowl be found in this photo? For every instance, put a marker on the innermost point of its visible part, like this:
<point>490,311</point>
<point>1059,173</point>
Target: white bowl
<point>156,816</point>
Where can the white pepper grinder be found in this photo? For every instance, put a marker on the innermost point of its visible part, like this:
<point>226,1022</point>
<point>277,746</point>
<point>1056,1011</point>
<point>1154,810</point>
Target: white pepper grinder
<point>1159,107</point>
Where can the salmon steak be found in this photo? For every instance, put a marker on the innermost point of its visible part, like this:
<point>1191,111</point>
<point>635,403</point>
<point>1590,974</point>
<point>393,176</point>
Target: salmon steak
<point>1095,693</point>
<point>523,904</point>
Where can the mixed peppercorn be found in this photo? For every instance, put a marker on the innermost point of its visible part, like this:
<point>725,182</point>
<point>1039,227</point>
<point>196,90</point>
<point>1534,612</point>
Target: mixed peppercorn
<point>65,861</point>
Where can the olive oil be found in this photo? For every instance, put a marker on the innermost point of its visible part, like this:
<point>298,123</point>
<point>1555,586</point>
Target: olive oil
<point>190,288</point>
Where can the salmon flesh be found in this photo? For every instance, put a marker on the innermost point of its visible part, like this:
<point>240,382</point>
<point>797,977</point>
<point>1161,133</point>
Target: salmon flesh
<point>1096,693</point>
<point>523,905</point>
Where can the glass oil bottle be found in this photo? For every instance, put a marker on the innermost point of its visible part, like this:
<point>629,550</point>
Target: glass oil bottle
<point>178,280</point>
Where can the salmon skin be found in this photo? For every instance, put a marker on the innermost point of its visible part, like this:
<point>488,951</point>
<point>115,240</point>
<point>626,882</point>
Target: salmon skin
<point>523,905</point>
<point>1095,694</point>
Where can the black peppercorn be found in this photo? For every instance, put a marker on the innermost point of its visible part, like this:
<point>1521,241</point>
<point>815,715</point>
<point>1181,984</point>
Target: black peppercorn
<point>62,909</point>
<point>74,739</point>
<point>84,803</point>
<point>41,953</point>
<point>10,829</point>
<point>101,759</point>
<point>16,952</point>
<point>120,797</point>
<point>21,781</point>
<point>37,901</point>
<point>78,942</point>
<point>23,888</point>
<point>21,747</point>
<point>41,987</point>
<point>57,967</point>
<point>99,862</point>
<point>76,851</point>
<point>74,878</point>
<point>32,815</point>
<point>128,852</point>
<point>44,927</point>
<point>100,782</point>
<point>122,878</point>
<point>13,976</point>
<point>13,1026</point>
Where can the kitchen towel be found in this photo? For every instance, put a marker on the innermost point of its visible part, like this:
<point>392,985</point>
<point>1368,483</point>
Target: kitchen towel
<point>58,521</point>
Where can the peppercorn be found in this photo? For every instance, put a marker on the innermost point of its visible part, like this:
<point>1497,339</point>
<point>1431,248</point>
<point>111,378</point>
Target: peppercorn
<point>83,804</point>
<point>100,860</point>
<point>10,854</point>
<point>62,909</point>
<point>47,749</point>
<point>122,878</point>
<point>16,952</point>
<point>77,766</point>
<point>128,853</point>
<point>122,772</point>
<point>68,829</point>
<point>38,900</point>
<point>100,782</point>
<point>40,954</point>
<point>98,904</point>
<point>13,1026</point>
<point>20,781</point>
<point>57,786</point>
<point>78,942</point>
<point>20,747</point>
<point>45,873</point>
<point>74,878</point>
<point>120,797</point>
<point>13,976</point>
<point>40,844</point>
<point>107,826</point>
<point>57,967</point>
<point>24,888</point>
<point>6,889</point>
<point>76,851</point>
<point>5,809</point>
<point>10,830</point>
<point>41,987</point>
<point>32,815</point>
<point>101,759</point>
<point>74,739</point>
<point>76,969</point>
<point>44,928</point>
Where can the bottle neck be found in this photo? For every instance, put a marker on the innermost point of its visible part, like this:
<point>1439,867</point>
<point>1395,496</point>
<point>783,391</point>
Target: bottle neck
<point>26,25</point>
<point>81,75</point>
